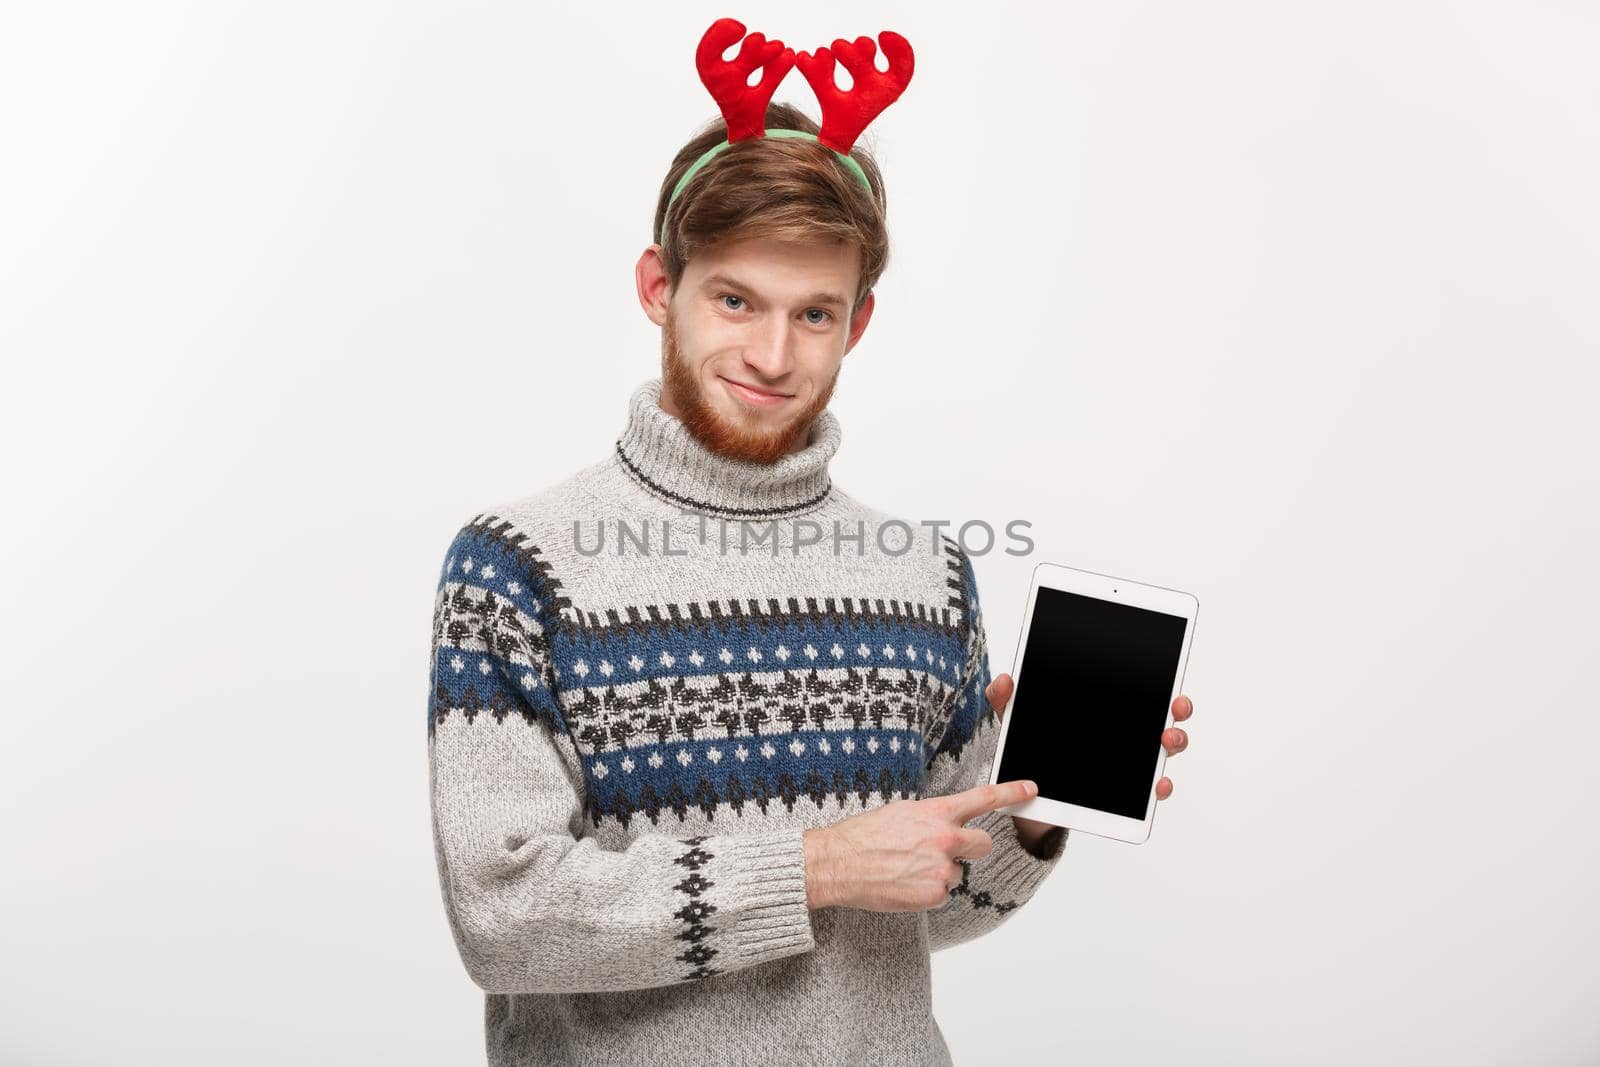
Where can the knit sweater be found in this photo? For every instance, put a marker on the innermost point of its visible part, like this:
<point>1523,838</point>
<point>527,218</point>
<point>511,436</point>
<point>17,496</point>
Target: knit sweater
<point>633,717</point>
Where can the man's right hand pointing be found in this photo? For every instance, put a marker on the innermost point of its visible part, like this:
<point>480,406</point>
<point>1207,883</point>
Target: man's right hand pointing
<point>902,856</point>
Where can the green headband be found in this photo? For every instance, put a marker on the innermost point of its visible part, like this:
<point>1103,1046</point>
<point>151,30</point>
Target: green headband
<point>705,157</point>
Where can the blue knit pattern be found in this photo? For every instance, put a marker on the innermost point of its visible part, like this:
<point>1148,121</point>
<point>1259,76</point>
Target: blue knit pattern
<point>723,703</point>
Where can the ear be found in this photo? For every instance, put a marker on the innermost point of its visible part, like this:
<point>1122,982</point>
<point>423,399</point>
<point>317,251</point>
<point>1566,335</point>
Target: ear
<point>655,291</point>
<point>858,321</point>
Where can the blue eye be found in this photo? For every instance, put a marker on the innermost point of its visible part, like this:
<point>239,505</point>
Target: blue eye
<point>825,315</point>
<point>730,296</point>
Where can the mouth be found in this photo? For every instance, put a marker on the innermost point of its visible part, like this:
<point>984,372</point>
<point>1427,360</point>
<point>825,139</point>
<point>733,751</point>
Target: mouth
<point>752,395</point>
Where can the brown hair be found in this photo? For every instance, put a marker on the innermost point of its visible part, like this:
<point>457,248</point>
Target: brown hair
<point>779,188</point>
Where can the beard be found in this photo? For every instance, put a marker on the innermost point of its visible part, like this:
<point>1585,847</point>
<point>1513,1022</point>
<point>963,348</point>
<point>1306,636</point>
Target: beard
<point>709,427</point>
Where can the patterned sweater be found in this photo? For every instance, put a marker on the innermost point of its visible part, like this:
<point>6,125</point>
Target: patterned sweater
<point>633,716</point>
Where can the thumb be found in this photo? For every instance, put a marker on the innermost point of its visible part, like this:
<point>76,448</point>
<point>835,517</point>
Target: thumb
<point>999,694</point>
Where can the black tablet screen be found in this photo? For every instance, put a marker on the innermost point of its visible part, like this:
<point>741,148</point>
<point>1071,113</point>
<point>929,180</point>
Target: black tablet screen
<point>1092,696</point>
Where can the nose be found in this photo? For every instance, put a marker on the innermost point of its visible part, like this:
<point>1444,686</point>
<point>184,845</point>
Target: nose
<point>770,351</point>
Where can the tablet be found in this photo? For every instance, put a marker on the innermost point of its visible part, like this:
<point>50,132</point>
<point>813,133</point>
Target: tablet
<point>1098,665</point>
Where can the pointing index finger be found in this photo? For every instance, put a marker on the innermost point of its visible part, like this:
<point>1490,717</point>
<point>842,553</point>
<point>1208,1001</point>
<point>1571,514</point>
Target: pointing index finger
<point>982,799</point>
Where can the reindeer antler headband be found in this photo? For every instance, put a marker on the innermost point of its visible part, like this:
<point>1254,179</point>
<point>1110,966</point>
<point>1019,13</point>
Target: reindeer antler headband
<point>845,112</point>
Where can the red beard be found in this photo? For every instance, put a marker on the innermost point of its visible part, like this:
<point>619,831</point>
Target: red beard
<point>709,427</point>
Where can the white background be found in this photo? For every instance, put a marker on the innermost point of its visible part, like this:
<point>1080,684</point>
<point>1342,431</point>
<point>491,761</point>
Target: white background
<point>1289,306</point>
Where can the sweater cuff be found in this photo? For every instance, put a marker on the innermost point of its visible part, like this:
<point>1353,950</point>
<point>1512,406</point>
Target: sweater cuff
<point>770,916</point>
<point>1014,870</point>
<point>1048,845</point>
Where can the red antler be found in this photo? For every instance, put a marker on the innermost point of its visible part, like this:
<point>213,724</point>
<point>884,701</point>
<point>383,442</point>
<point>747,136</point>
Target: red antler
<point>845,113</point>
<point>744,106</point>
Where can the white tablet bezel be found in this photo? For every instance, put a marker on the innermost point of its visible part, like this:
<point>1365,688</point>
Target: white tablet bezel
<point>1119,591</point>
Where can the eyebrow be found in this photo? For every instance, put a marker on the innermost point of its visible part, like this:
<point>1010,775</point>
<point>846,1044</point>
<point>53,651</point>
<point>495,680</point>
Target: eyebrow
<point>727,282</point>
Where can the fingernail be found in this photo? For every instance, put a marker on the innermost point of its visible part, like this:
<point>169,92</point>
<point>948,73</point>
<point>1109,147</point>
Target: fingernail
<point>1033,789</point>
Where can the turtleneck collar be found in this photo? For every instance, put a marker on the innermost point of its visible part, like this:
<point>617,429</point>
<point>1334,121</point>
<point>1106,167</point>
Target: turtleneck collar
<point>657,449</point>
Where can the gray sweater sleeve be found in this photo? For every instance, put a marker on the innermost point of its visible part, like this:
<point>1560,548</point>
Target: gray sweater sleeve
<point>995,885</point>
<point>535,906</point>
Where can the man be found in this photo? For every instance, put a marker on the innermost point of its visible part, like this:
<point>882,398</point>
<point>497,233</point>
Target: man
<point>696,801</point>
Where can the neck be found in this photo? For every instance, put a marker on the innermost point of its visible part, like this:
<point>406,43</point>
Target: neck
<point>658,450</point>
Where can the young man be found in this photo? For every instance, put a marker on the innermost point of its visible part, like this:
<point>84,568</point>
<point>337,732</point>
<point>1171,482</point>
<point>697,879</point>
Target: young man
<point>709,738</point>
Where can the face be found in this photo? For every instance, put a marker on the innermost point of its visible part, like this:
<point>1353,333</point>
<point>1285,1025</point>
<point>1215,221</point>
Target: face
<point>752,340</point>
